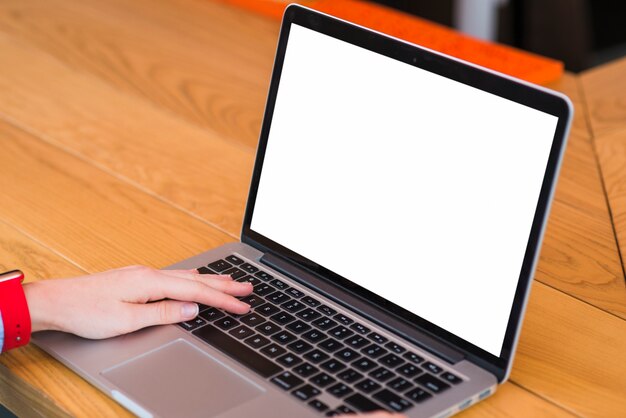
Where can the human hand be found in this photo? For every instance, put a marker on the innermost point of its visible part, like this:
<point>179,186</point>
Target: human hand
<point>120,301</point>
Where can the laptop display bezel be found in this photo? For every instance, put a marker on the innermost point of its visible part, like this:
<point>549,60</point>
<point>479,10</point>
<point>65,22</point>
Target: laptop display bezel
<point>461,72</point>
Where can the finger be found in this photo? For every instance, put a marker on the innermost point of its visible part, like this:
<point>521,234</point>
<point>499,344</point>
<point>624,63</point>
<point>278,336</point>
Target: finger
<point>226,285</point>
<point>375,414</point>
<point>162,312</point>
<point>193,274</point>
<point>196,291</point>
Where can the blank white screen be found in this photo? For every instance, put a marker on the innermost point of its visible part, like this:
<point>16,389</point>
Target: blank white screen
<point>414,186</point>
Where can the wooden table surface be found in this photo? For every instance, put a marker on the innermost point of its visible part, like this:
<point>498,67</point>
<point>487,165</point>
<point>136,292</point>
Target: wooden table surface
<point>128,133</point>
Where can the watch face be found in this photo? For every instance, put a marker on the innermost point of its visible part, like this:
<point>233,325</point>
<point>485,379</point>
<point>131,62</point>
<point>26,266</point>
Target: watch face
<point>10,275</point>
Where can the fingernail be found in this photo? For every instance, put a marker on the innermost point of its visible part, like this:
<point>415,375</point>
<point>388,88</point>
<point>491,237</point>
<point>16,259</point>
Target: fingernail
<point>190,310</point>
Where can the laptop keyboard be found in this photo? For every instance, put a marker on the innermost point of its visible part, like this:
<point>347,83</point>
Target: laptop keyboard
<point>307,348</point>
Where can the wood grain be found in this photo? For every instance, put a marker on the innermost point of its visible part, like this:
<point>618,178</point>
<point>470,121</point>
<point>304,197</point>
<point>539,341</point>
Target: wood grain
<point>572,354</point>
<point>605,94</point>
<point>143,144</point>
<point>190,57</point>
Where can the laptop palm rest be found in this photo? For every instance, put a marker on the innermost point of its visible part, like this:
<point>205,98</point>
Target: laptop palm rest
<point>177,379</point>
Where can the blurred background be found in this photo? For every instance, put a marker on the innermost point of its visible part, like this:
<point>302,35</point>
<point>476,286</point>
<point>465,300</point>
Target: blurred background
<point>581,33</point>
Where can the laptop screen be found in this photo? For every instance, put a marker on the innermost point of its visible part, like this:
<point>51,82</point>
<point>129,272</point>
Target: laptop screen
<point>416,187</point>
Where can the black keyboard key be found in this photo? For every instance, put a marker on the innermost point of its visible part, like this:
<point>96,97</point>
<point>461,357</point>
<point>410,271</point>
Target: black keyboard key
<point>204,270</point>
<point>234,260</point>
<point>287,380</point>
<point>373,351</point>
<point>202,307</point>
<point>395,347</point>
<point>413,357</point>
<point>241,332</point>
<point>418,395</point>
<point>391,360</point>
<point>342,409</point>
<point>306,369</point>
<point>267,309</point>
<point>282,318</point>
<point>212,314</point>
<point>316,356</point>
<point>278,298</point>
<point>330,345</point>
<point>193,324</point>
<point>252,319</point>
<point>289,360</point>
<point>279,284</point>
<point>392,401</point>
<point>226,323</point>
<point>263,276</point>
<point>343,319</point>
<point>350,376</point>
<point>360,328</point>
<point>340,332</point>
<point>250,279</point>
<point>235,273</point>
<point>376,337</point>
<point>409,370</point>
<point>431,382</point>
<point>293,306</point>
<point>311,302</point>
<point>400,384</point>
<point>431,367</point>
<point>449,377</point>
<point>348,355</point>
<point>298,327</point>
<point>326,310</point>
<point>283,337</point>
<point>249,268</point>
<point>299,346</point>
<point>367,386</point>
<point>253,300</point>
<point>220,265</point>
<point>273,350</point>
<point>356,342</point>
<point>306,392</point>
<point>308,314</point>
<point>263,289</point>
<point>294,293</point>
<point>322,380</point>
<point>339,390</point>
<point>364,364</point>
<point>361,403</point>
<point>267,328</point>
<point>381,374</point>
<point>333,366</point>
<point>256,341</point>
<point>318,405</point>
<point>314,336</point>
<point>237,350</point>
<point>324,323</point>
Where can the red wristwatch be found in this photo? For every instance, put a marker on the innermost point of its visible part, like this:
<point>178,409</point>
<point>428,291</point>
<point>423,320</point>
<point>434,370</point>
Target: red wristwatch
<point>14,310</point>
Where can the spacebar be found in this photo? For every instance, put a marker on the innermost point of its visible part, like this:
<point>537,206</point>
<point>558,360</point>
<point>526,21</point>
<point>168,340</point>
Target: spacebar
<point>237,350</point>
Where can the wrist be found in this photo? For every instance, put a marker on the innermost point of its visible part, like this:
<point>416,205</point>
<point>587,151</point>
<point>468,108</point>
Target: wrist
<point>41,313</point>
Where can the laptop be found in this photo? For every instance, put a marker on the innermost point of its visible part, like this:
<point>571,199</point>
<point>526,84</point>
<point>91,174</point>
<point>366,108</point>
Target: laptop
<point>393,225</point>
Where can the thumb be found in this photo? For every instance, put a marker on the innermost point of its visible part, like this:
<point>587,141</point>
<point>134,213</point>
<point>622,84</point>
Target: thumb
<point>167,312</point>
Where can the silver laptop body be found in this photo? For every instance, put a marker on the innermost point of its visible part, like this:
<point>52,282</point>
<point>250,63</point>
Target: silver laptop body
<point>397,203</point>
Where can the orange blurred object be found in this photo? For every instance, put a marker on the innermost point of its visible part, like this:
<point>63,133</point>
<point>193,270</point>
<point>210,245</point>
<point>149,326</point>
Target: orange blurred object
<point>505,59</point>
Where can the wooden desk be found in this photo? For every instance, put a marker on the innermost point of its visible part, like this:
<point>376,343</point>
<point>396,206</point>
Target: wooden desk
<point>128,133</point>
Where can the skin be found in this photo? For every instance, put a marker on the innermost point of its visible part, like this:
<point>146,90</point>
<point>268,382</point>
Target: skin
<point>120,301</point>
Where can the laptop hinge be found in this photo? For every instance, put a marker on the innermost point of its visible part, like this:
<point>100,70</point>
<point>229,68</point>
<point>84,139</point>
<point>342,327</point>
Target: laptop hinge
<point>354,303</point>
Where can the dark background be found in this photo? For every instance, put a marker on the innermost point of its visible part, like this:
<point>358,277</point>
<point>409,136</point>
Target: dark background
<point>581,33</point>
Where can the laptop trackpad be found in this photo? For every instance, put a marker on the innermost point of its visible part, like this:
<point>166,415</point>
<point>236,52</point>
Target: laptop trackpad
<point>177,379</point>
